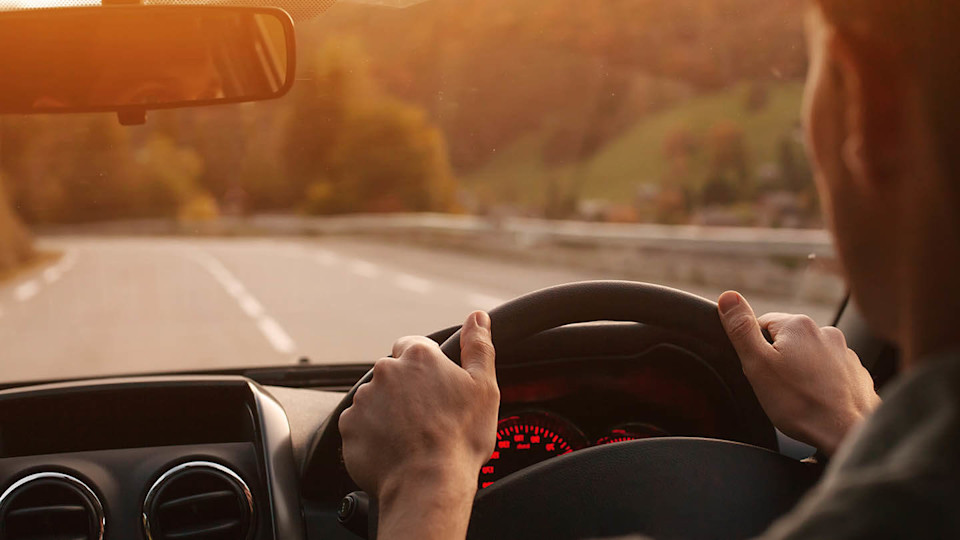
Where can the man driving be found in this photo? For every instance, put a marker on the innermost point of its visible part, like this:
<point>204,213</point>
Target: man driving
<point>881,122</point>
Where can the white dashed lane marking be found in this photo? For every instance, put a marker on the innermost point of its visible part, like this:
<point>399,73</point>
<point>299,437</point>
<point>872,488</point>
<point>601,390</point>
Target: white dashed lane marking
<point>407,282</point>
<point>278,338</point>
<point>413,283</point>
<point>364,269</point>
<point>250,306</point>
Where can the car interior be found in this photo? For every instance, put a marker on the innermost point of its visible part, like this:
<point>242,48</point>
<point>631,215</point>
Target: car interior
<point>624,407</point>
<point>255,454</point>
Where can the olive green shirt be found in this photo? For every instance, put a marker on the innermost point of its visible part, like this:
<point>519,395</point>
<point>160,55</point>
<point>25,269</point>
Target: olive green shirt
<point>898,475</point>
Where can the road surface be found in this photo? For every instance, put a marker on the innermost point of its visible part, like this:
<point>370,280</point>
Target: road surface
<point>136,305</point>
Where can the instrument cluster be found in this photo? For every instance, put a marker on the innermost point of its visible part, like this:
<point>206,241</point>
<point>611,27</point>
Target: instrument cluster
<point>531,437</point>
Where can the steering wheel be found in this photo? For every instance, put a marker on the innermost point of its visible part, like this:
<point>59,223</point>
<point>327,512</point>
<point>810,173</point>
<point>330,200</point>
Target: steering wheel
<point>666,487</point>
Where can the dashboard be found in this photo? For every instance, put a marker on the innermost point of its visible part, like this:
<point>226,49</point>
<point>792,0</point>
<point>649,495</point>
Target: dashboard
<point>239,454</point>
<point>230,456</point>
<point>155,458</point>
<point>221,456</point>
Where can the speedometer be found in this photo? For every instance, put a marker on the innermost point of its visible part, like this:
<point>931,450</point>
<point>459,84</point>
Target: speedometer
<point>527,439</point>
<point>632,432</point>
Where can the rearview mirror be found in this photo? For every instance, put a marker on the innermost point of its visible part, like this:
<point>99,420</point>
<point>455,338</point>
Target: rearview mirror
<point>133,58</point>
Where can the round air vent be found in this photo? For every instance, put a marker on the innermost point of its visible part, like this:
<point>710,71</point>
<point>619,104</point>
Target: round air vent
<point>198,500</point>
<point>50,505</point>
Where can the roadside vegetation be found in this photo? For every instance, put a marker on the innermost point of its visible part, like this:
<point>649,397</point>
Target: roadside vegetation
<point>15,245</point>
<point>674,111</point>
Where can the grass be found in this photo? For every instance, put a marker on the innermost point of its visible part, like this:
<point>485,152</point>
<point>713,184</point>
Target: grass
<point>636,157</point>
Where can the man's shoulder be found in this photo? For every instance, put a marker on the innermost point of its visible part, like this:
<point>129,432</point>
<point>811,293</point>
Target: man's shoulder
<point>899,475</point>
<point>918,421</point>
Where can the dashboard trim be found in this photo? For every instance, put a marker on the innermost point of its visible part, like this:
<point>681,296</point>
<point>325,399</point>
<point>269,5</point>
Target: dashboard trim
<point>283,478</point>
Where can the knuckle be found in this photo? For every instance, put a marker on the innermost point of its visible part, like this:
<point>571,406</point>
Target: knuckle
<point>834,334</point>
<point>362,395</point>
<point>345,422</point>
<point>489,390</point>
<point>382,368</point>
<point>420,349</point>
<point>803,323</point>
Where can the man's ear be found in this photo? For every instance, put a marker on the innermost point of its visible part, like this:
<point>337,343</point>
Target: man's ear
<point>873,84</point>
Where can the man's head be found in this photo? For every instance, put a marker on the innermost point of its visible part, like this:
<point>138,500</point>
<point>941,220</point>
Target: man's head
<point>882,110</point>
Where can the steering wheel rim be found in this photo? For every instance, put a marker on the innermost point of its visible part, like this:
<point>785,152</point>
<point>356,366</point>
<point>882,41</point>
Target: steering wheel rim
<point>631,301</point>
<point>588,301</point>
<point>610,300</point>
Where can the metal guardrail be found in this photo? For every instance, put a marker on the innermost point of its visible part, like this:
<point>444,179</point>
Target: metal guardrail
<point>533,232</point>
<point>523,232</point>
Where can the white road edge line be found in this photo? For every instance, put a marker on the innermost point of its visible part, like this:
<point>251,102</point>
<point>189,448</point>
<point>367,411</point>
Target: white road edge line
<point>52,274</point>
<point>26,290</point>
<point>32,287</point>
<point>67,262</point>
<point>278,338</point>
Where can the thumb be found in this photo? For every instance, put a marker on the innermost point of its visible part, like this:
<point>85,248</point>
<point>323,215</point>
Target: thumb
<point>742,327</point>
<point>477,354</point>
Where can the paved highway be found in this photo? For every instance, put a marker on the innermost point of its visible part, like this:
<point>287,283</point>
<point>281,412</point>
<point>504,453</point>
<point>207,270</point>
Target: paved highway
<point>135,305</point>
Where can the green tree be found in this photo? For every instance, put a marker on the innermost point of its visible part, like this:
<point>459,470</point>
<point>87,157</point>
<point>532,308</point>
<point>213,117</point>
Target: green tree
<point>352,148</point>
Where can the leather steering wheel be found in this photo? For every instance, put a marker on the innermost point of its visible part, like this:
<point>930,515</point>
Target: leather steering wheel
<point>667,487</point>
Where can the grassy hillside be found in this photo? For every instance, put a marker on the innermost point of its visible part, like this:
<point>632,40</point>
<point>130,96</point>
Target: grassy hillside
<point>637,156</point>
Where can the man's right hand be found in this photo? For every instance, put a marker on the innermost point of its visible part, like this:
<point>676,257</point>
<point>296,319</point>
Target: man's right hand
<point>810,384</point>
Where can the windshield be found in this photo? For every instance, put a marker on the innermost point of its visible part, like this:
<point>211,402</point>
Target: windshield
<point>432,158</point>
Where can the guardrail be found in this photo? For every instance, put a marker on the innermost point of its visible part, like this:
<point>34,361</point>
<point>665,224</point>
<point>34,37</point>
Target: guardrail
<point>523,232</point>
<point>530,232</point>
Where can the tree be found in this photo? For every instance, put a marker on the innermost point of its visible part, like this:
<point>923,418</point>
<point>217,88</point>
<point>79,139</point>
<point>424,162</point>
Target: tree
<point>351,148</point>
<point>728,179</point>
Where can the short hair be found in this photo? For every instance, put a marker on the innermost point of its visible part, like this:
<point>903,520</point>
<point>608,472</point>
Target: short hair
<point>928,32</point>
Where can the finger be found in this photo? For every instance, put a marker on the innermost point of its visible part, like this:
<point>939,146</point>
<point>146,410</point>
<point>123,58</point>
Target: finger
<point>774,322</point>
<point>477,354</point>
<point>742,327</point>
<point>404,344</point>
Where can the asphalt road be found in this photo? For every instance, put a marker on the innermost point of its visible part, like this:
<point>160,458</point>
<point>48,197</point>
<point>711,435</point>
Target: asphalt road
<point>135,305</point>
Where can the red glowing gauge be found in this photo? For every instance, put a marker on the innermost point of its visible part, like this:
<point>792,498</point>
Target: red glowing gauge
<point>631,432</point>
<point>527,439</point>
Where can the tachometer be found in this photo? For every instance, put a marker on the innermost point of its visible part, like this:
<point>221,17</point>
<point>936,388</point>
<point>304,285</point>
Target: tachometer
<point>527,439</point>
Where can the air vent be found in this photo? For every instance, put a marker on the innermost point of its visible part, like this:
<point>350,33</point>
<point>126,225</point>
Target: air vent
<point>199,500</point>
<point>50,505</point>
